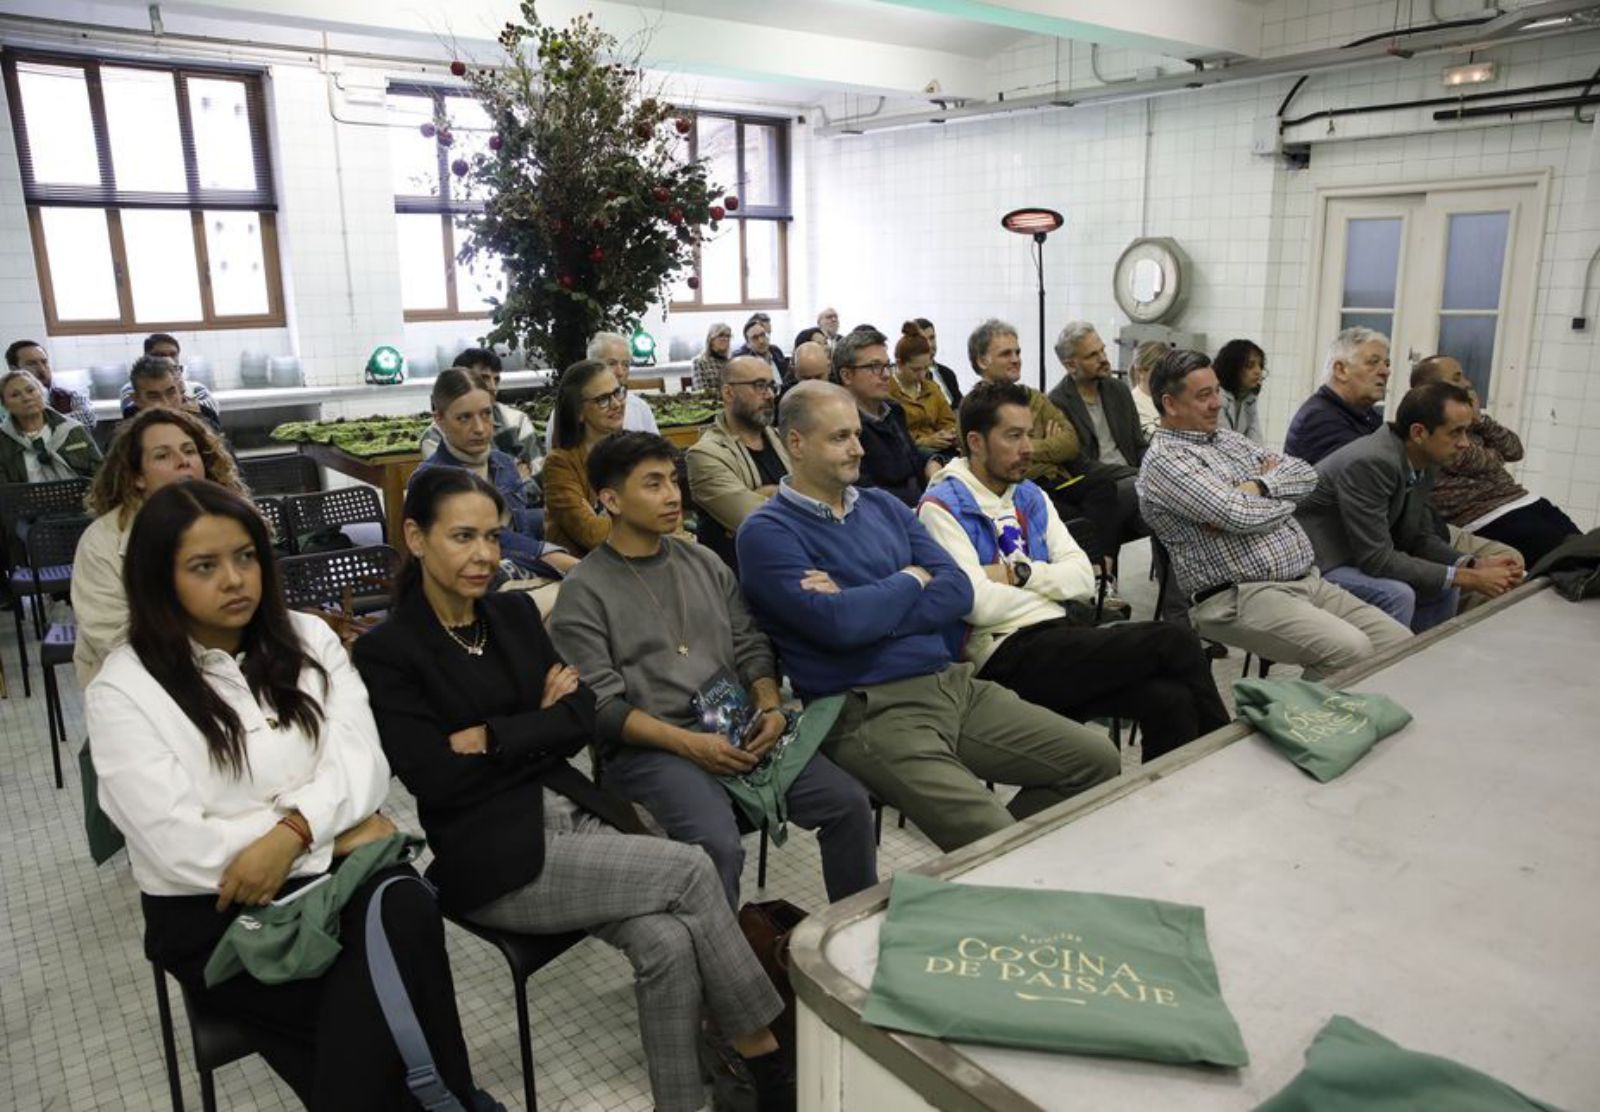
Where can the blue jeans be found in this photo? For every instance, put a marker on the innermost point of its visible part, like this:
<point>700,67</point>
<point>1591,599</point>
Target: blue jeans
<point>692,807</point>
<point>1396,599</point>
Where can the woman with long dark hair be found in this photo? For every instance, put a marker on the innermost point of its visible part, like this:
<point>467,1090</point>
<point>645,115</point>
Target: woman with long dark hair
<point>1241,368</point>
<point>480,717</point>
<point>590,406</point>
<point>237,753</point>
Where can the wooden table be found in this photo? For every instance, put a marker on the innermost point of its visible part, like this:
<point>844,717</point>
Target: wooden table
<point>684,435</point>
<point>389,474</point>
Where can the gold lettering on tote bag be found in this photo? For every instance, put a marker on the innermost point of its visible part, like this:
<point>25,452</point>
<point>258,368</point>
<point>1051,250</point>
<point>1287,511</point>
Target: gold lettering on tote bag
<point>1049,971</point>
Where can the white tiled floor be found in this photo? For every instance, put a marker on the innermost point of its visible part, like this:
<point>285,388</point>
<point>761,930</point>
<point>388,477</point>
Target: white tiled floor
<point>77,1004</point>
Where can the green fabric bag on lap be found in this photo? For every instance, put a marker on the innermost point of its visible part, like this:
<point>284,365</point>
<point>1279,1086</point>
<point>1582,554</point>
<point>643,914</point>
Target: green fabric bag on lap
<point>1059,971</point>
<point>1350,1068</point>
<point>762,793</point>
<point>1321,730</point>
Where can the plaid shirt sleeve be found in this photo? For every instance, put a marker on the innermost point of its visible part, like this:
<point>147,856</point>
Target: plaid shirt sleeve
<point>1188,485</point>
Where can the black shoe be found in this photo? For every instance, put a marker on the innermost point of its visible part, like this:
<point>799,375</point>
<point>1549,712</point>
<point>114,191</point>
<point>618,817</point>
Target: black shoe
<point>774,1077</point>
<point>1215,650</point>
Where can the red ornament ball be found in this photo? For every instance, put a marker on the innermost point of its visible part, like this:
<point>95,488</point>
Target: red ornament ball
<point>459,167</point>
<point>731,202</point>
<point>662,194</point>
<point>683,124</point>
<point>676,216</point>
<point>567,281</point>
<point>428,131</point>
<point>597,255</point>
<point>645,132</point>
<point>458,68</point>
<point>717,212</point>
<point>495,142</point>
<point>693,282</point>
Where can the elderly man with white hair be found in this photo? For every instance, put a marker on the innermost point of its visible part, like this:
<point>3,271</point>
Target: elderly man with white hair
<point>613,349</point>
<point>1345,406</point>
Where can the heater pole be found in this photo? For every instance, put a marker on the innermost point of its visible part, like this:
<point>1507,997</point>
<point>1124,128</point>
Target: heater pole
<point>1038,237</point>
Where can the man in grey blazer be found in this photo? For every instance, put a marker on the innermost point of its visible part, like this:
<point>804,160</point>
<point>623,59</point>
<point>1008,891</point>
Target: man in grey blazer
<point>1371,524</point>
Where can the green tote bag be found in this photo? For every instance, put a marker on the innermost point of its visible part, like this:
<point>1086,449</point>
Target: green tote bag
<point>1063,971</point>
<point>1322,730</point>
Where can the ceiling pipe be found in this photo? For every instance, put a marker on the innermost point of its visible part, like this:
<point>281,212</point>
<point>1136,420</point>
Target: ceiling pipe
<point>1495,32</point>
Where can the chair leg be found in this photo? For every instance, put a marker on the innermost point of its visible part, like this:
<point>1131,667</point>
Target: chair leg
<point>52,715</point>
<point>22,651</point>
<point>877,824</point>
<point>208,1092</point>
<point>761,865</point>
<point>525,1037</point>
<point>169,1044</point>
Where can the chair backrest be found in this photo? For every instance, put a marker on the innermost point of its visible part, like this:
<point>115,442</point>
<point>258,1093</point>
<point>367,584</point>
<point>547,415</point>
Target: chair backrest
<point>280,473</point>
<point>352,505</point>
<point>21,502</point>
<point>271,510</point>
<point>53,541</point>
<point>321,579</point>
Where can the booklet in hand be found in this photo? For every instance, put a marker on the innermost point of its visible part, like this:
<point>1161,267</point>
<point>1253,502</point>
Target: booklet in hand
<point>724,708</point>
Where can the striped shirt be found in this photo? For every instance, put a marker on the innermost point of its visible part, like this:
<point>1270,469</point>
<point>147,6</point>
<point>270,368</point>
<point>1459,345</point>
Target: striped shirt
<point>1215,533</point>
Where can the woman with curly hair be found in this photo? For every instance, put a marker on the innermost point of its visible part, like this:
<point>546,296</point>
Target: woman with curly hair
<point>1241,368</point>
<point>155,449</point>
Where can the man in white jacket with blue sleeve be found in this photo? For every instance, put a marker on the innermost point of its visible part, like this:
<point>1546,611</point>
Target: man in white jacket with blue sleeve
<point>1033,589</point>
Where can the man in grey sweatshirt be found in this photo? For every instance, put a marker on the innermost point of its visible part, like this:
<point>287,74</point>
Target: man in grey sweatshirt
<point>650,622</point>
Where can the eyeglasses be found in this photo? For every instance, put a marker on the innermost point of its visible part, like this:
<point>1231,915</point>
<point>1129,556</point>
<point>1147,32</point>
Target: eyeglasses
<point>607,401</point>
<point>759,385</point>
<point>873,368</point>
<point>757,335</point>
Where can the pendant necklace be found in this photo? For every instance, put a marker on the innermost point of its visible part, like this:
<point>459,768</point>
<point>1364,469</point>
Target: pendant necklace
<point>480,637</point>
<point>683,616</point>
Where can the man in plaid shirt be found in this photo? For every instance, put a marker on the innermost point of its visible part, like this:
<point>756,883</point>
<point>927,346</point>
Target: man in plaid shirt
<point>1224,509</point>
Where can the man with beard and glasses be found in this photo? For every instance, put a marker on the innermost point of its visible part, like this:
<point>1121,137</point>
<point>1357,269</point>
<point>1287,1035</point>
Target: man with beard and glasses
<point>735,465</point>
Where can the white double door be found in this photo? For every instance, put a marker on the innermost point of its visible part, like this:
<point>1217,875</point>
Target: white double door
<point>1443,270</point>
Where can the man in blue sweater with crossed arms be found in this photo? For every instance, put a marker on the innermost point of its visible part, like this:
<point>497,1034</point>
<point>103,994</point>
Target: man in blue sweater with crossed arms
<point>859,599</point>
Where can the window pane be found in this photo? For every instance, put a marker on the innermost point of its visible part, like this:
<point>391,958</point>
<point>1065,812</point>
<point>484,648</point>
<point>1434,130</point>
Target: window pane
<point>470,127</point>
<point>142,117</point>
<point>238,264</point>
<point>162,275</point>
<point>1470,340</point>
<point>413,156</point>
<point>81,275</point>
<point>1378,322</point>
<point>763,262</point>
<point>717,138</point>
<point>421,261</point>
<point>55,104</point>
<point>478,281</point>
<point>220,116</point>
<point>1474,260</point>
<point>762,185</point>
<point>1371,263</point>
<point>719,266</point>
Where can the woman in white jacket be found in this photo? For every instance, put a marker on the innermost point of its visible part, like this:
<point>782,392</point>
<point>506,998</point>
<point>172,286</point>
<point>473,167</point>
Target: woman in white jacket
<point>238,755</point>
<point>154,449</point>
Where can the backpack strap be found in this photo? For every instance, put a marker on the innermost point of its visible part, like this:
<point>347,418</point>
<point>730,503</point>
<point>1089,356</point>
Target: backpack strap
<point>422,1076</point>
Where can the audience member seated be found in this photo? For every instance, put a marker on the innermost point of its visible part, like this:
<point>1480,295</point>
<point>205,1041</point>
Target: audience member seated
<point>479,717</point>
<point>1475,493</point>
<point>1105,421</point>
<point>514,433</point>
<point>758,342</point>
<point>589,403</point>
<point>943,376</point>
<point>712,363</point>
<point>155,449</point>
<point>929,418</point>
<point>736,464</point>
<point>1024,566</point>
<point>613,352</point>
<point>1145,358</point>
<point>237,753</point>
<point>811,362</point>
<point>463,410</point>
<point>859,600</point>
<point>1224,509</point>
<point>1371,525</point>
<point>38,444</point>
<point>191,396</point>
<point>650,621</point>
<point>1241,368</point>
<point>810,336</point>
<point>890,460</point>
<point>996,355</point>
<point>30,356</point>
<point>828,325</point>
<point>1345,406</point>
<point>157,383</point>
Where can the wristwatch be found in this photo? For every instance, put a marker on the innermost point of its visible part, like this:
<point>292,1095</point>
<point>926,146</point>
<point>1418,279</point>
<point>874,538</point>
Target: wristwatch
<point>1022,571</point>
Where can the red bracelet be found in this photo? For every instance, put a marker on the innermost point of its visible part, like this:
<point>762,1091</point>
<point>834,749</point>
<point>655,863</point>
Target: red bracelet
<point>300,829</point>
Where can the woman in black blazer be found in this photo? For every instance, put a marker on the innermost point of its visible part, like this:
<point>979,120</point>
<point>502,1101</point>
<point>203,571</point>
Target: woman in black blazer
<point>479,717</point>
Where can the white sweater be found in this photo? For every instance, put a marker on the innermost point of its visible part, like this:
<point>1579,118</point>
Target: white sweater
<point>997,609</point>
<point>99,605</point>
<point>185,817</point>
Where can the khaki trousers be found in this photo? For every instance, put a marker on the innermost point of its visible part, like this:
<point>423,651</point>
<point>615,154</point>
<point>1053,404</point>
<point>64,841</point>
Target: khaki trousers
<point>1473,545</point>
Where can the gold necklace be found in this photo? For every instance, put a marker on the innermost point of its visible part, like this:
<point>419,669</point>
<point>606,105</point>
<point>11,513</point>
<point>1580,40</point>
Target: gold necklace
<point>480,637</point>
<point>683,614</point>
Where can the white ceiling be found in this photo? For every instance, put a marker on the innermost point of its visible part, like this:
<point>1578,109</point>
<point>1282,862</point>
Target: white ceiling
<point>849,20</point>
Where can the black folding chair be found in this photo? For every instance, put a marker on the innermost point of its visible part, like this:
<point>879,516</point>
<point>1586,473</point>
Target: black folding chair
<point>23,502</point>
<point>271,510</point>
<point>216,1042</point>
<point>334,509</point>
<point>325,580</point>
<point>280,473</point>
<point>49,545</point>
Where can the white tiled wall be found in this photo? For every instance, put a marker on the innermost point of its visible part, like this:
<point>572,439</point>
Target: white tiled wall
<point>906,223</point>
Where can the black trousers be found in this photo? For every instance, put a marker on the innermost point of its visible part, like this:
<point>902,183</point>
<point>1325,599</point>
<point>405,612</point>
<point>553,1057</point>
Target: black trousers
<point>1534,530</point>
<point>327,1037</point>
<point>1107,500</point>
<point>1154,673</point>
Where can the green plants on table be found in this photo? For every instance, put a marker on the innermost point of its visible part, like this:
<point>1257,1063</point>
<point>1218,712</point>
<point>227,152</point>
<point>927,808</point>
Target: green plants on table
<point>366,437</point>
